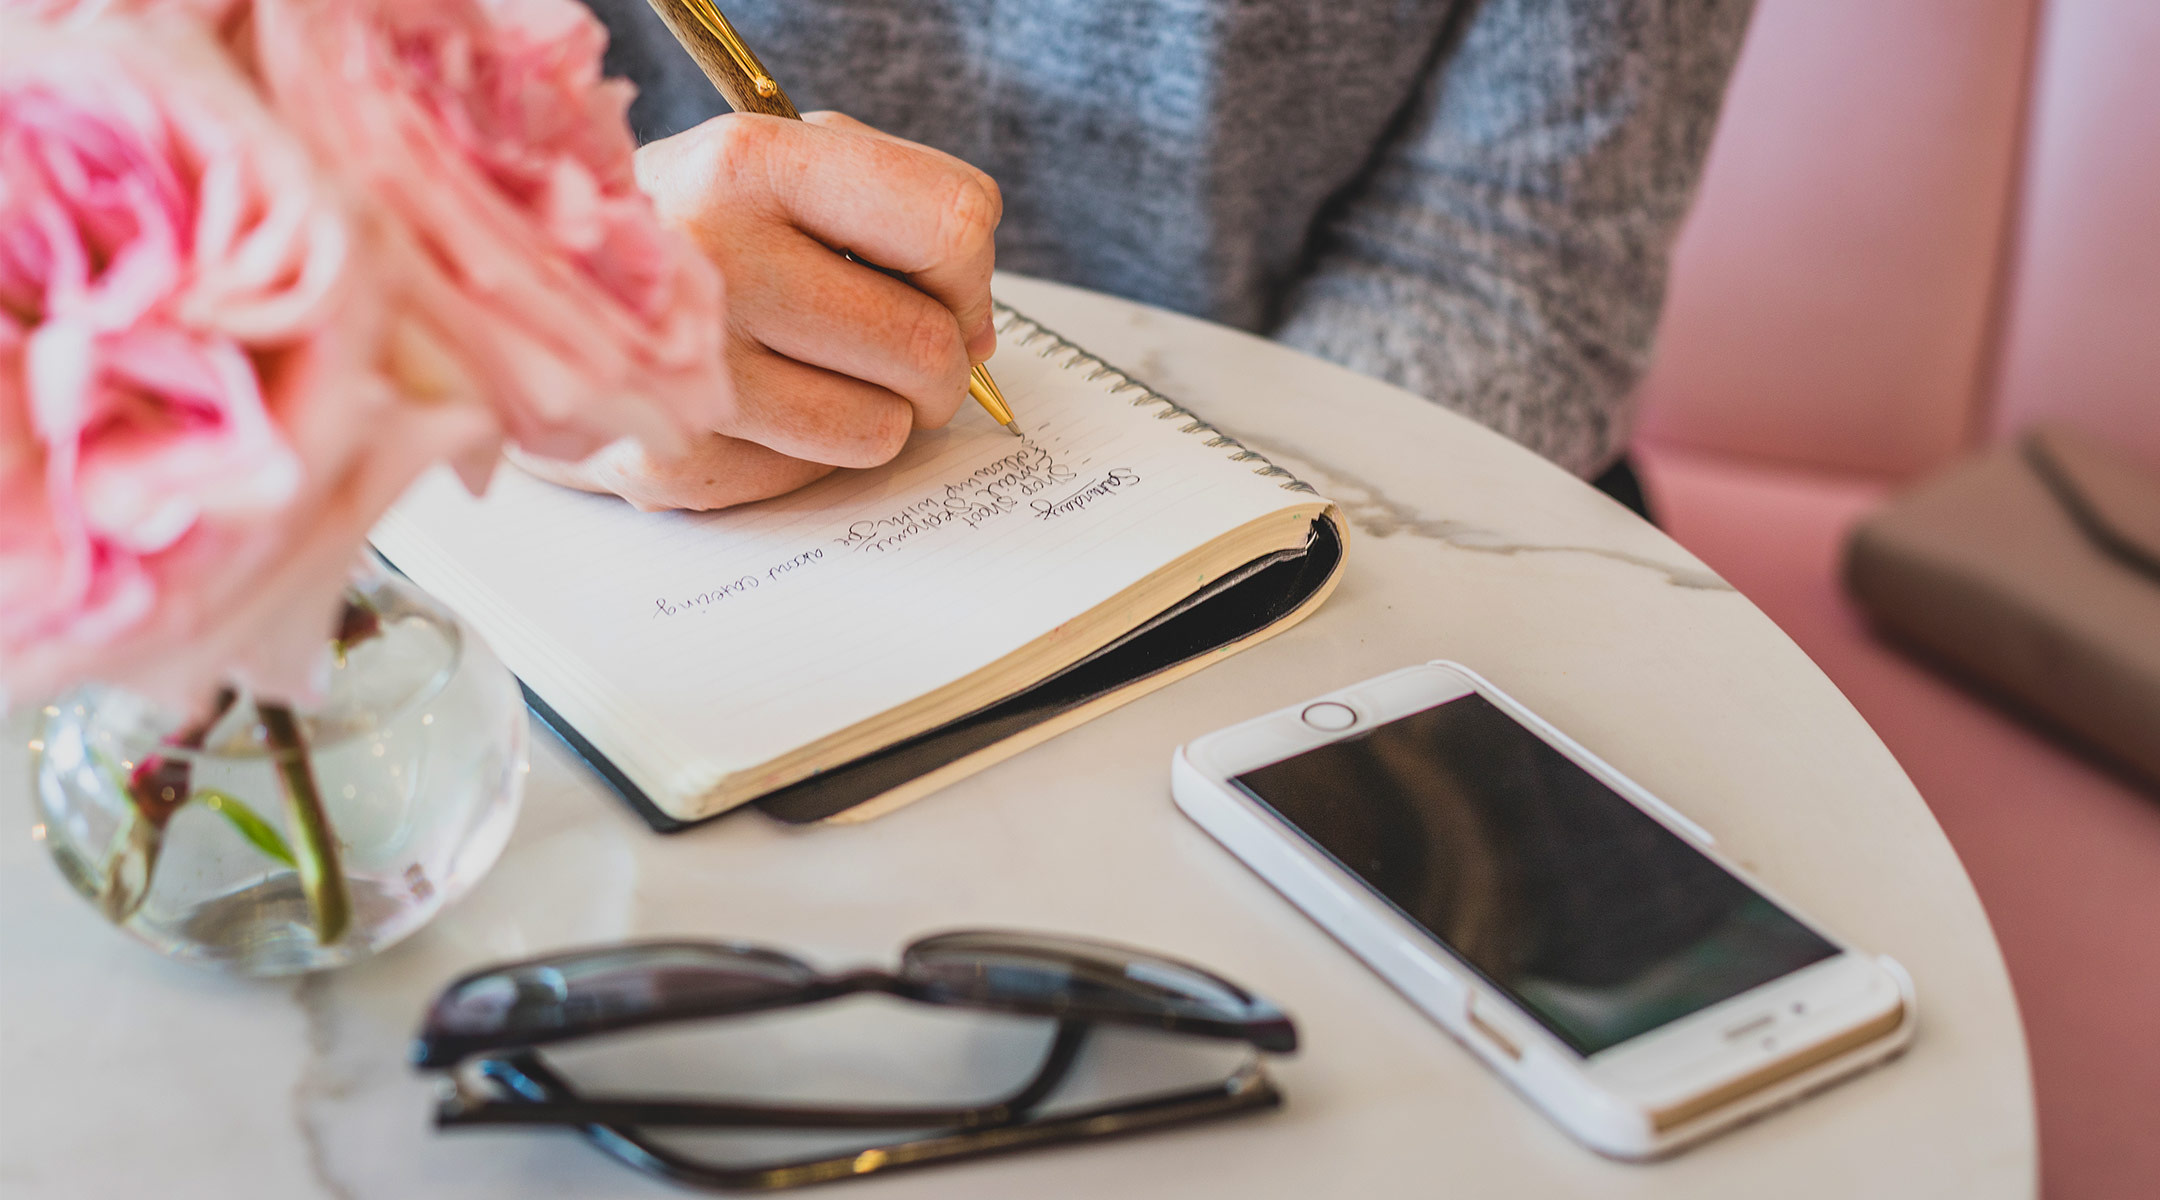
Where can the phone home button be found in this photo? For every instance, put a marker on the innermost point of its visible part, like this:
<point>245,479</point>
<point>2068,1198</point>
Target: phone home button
<point>1329,716</point>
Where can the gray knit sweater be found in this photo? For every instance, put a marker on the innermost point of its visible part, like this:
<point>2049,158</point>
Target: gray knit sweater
<point>1471,198</point>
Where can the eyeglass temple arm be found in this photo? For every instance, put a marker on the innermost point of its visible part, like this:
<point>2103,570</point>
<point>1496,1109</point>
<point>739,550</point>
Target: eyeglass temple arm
<point>548,1099</point>
<point>1246,1090</point>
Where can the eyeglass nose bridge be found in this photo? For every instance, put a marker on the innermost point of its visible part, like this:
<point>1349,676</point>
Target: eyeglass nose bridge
<point>865,979</point>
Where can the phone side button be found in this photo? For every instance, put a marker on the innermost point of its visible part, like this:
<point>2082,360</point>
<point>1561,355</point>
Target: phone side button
<point>1500,1041</point>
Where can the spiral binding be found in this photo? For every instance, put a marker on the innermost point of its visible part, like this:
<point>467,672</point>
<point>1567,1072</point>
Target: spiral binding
<point>1170,410</point>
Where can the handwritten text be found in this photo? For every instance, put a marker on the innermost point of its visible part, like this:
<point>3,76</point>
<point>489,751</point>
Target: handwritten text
<point>1107,484</point>
<point>988,493</point>
<point>663,607</point>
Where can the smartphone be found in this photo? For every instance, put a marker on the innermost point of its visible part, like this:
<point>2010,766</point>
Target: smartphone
<point>1584,939</point>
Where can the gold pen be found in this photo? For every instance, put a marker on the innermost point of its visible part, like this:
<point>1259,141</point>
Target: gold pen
<point>743,81</point>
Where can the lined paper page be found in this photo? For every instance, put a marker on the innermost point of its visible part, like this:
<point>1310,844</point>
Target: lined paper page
<point>715,642</point>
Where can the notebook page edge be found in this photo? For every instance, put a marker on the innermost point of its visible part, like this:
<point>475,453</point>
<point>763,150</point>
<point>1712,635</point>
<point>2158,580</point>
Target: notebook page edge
<point>970,693</point>
<point>989,756</point>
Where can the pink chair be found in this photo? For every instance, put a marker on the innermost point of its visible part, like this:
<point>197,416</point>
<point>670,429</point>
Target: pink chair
<point>1926,225</point>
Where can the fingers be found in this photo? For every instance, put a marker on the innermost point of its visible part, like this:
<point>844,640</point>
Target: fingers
<point>833,362</point>
<point>717,472</point>
<point>811,413</point>
<point>824,311</point>
<point>903,206</point>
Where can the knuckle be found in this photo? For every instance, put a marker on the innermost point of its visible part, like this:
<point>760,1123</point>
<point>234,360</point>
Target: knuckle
<point>972,212</point>
<point>994,192</point>
<point>934,349</point>
<point>735,135</point>
<point>715,145</point>
<point>887,433</point>
<point>743,148</point>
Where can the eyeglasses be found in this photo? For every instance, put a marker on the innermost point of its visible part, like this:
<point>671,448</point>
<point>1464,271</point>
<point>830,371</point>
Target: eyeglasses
<point>483,1031</point>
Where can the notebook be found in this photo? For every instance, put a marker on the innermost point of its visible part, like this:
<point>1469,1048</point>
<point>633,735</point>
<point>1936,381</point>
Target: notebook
<point>841,650</point>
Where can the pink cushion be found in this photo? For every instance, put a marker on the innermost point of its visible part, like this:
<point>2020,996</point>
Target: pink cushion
<point>1832,290</point>
<point>2065,857</point>
<point>2083,338</point>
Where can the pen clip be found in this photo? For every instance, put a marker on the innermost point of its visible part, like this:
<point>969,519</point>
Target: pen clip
<point>724,33</point>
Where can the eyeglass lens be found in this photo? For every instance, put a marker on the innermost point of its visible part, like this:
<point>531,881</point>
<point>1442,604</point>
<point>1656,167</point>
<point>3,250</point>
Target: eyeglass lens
<point>1097,981</point>
<point>553,997</point>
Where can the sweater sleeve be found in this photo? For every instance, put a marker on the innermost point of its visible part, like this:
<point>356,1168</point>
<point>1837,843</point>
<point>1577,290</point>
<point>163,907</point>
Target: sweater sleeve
<point>1505,251</point>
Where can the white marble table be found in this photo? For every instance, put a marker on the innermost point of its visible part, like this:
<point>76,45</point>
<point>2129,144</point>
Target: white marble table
<point>122,1075</point>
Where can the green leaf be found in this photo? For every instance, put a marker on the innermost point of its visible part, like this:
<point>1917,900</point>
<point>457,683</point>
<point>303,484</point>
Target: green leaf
<point>260,833</point>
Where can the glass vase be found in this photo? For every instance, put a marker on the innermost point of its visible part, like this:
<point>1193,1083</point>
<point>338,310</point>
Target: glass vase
<point>269,840</point>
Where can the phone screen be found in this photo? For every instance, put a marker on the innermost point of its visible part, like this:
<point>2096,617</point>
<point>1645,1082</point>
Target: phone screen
<point>1599,921</point>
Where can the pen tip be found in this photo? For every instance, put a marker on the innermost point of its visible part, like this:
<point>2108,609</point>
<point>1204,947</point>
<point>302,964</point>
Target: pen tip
<point>1014,428</point>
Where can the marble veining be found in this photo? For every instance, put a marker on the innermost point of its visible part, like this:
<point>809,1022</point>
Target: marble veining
<point>1371,511</point>
<point>313,996</point>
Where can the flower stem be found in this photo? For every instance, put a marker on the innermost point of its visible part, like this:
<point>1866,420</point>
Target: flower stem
<point>160,786</point>
<point>315,846</point>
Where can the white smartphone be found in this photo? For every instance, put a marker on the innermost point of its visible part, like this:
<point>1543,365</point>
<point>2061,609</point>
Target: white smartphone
<point>1582,938</point>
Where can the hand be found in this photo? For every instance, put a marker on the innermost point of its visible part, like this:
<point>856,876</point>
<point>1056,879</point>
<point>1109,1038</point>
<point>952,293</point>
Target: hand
<point>834,363</point>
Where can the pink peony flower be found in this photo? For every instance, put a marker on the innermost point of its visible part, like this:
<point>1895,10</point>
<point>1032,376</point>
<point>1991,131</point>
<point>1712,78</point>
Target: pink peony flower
<point>193,437</point>
<point>218,13</point>
<point>532,267</point>
<point>258,258</point>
